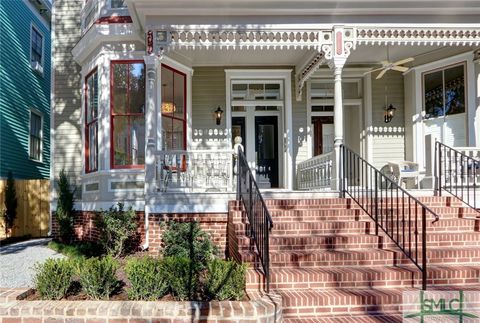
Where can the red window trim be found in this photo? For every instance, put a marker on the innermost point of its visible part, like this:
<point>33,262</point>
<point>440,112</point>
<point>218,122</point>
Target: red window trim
<point>113,114</point>
<point>184,120</point>
<point>88,124</point>
<point>114,20</point>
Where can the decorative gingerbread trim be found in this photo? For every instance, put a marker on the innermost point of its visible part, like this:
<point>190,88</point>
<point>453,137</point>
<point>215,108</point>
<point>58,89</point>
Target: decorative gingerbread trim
<point>417,36</point>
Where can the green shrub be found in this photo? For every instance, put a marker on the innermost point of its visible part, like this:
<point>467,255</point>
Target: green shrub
<point>76,250</point>
<point>98,276</point>
<point>53,278</point>
<point>116,227</point>
<point>188,240</point>
<point>147,278</point>
<point>64,213</point>
<point>225,280</point>
<point>10,203</point>
<point>181,277</point>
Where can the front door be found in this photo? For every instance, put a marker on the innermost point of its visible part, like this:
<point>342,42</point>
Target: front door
<point>266,151</point>
<point>323,135</point>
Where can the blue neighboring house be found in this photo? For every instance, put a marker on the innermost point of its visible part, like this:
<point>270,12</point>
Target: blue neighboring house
<point>25,76</point>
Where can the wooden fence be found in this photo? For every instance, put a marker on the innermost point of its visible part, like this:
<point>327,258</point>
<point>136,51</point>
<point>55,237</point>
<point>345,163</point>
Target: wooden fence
<point>33,210</point>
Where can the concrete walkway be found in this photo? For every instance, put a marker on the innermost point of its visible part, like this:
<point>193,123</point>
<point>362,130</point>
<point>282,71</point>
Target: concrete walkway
<point>17,261</point>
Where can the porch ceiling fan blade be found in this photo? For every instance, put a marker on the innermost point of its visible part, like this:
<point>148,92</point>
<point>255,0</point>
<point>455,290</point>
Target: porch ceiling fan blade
<point>381,74</point>
<point>400,68</point>
<point>404,61</point>
<point>374,70</point>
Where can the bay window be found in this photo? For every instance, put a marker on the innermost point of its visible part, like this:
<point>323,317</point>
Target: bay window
<point>127,114</point>
<point>173,109</point>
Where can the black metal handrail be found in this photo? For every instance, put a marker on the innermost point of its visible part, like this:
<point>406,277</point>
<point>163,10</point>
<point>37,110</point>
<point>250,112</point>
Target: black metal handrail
<point>456,173</point>
<point>401,216</point>
<point>257,213</point>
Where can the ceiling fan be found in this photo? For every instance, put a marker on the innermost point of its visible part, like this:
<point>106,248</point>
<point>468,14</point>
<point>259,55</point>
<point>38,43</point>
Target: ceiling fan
<point>394,66</point>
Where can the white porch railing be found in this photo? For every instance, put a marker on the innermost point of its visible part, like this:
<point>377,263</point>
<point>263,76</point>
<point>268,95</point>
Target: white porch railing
<point>316,172</point>
<point>194,171</point>
<point>462,168</point>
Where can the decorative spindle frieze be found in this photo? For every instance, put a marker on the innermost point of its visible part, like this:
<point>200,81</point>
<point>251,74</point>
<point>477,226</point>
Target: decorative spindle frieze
<point>417,36</point>
<point>193,39</point>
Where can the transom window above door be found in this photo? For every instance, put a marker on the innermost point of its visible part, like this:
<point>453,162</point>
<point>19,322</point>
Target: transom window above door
<point>256,90</point>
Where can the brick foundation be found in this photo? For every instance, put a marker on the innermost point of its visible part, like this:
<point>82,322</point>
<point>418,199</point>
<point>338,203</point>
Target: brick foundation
<point>214,224</point>
<point>265,309</point>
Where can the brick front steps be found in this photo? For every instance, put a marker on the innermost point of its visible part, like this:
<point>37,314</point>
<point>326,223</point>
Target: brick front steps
<point>265,308</point>
<point>329,266</point>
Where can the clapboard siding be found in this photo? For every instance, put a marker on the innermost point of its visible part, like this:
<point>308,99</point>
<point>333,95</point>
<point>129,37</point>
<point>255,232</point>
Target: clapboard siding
<point>388,138</point>
<point>299,115</point>
<point>67,91</point>
<point>21,90</point>
<point>208,92</point>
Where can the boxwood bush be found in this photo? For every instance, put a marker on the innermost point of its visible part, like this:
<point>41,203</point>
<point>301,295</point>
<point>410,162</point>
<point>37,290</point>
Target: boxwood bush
<point>53,278</point>
<point>182,278</point>
<point>117,226</point>
<point>98,276</point>
<point>147,278</point>
<point>225,280</point>
<point>188,240</point>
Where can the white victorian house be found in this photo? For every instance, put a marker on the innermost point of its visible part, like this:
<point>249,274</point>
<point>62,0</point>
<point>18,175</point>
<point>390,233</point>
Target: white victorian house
<point>149,96</point>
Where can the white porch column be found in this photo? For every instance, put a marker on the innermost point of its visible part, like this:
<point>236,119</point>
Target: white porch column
<point>338,119</point>
<point>151,64</point>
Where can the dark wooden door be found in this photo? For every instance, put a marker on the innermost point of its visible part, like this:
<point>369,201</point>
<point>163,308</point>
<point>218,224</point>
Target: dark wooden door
<point>266,150</point>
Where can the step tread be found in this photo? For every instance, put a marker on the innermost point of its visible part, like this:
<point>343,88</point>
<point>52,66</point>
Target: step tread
<point>373,318</point>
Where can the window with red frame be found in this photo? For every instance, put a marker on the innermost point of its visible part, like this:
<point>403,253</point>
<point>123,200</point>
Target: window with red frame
<point>173,109</point>
<point>128,114</point>
<point>91,122</point>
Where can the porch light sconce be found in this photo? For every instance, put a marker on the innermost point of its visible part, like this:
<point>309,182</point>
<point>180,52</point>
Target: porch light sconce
<point>218,115</point>
<point>389,113</point>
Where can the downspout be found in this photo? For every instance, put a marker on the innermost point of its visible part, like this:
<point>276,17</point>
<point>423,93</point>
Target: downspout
<point>147,213</point>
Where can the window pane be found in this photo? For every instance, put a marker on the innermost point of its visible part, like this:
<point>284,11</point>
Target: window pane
<point>272,92</point>
<point>256,92</point>
<point>92,97</point>
<point>137,139</point>
<point>322,90</point>
<point>168,106</point>
<point>120,76</point>
<point>137,88</point>
<point>121,141</point>
<point>433,85</point>
<point>93,147</point>
<point>239,91</point>
<point>173,135</point>
<point>118,4</point>
<point>37,45</point>
<point>322,108</point>
<point>454,90</point>
<point>179,100</point>
<point>35,124</point>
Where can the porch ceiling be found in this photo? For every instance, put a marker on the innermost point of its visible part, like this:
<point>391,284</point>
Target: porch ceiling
<point>363,55</point>
<point>242,57</point>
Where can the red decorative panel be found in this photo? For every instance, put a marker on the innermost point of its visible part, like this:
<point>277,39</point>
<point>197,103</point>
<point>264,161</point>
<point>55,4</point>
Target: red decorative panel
<point>339,42</point>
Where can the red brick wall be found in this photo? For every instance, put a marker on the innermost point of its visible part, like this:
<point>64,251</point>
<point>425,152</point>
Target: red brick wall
<point>84,226</point>
<point>214,224</point>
